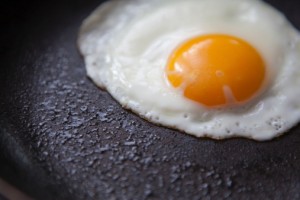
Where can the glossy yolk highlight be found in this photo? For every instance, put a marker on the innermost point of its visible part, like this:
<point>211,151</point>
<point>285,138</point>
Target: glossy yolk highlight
<point>216,70</point>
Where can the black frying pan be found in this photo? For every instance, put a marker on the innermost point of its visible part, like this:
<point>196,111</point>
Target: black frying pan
<point>63,138</point>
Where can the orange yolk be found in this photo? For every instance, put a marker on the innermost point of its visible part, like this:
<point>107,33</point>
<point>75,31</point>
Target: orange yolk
<point>216,70</point>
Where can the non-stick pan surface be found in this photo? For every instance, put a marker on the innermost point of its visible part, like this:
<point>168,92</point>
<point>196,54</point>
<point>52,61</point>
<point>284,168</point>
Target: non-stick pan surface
<point>63,138</point>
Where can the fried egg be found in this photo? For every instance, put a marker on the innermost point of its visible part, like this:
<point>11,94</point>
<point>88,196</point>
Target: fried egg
<point>209,68</point>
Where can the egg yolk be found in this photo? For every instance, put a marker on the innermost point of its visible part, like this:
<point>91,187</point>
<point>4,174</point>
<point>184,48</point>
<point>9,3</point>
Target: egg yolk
<point>216,70</point>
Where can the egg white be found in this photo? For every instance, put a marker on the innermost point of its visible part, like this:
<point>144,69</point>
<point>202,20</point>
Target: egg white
<point>126,45</point>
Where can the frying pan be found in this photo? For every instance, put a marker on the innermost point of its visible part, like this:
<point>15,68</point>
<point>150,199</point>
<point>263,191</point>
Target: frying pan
<point>63,138</point>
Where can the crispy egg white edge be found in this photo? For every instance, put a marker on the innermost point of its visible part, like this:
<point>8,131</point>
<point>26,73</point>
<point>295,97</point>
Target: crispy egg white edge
<point>103,19</point>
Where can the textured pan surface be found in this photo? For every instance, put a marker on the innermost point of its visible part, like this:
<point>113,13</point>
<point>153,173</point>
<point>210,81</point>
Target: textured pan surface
<point>63,138</point>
